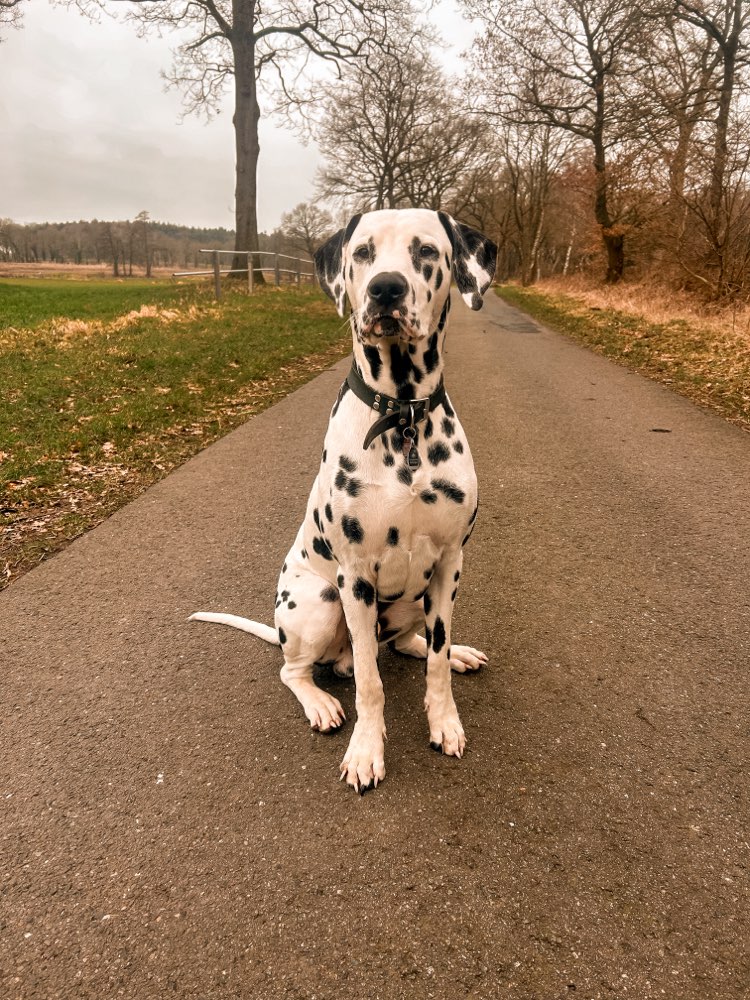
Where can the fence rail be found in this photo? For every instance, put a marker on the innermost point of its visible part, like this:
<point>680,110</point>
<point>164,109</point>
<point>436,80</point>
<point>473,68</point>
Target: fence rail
<point>217,271</point>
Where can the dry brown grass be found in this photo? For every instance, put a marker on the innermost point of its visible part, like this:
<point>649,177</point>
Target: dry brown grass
<point>654,303</point>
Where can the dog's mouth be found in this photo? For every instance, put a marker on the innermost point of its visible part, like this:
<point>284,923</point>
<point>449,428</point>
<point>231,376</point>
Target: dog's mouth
<point>393,324</point>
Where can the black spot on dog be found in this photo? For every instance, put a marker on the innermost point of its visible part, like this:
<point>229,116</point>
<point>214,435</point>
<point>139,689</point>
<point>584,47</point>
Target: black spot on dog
<point>316,518</point>
<point>420,595</point>
<point>325,455</point>
<point>303,553</point>
<point>428,429</point>
<point>453,595</point>
<point>284,595</point>
<point>321,547</point>
<point>428,573</point>
<point>374,360</point>
<point>473,517</point>
<point>393,536</point>
<point>450,490</point>
<point>340,579</point>
<point>292,605</point>
<point>390,598</point>
<point>448,408</point>
<point>427,272</point>
<point>458,446</point>
<point>282,636</point>
<point>364,591</point>
<point>456,575</point>
<point>427,496</point>
<point>347,463</point>
<point>414,247</point>
<point>428,636</point>
<point>329,512</point>
<point>340,481</point>
<point>427,604</point>
<point>283,568</point>
<point>438,453</point>
<point>401,366</point>
<point>448,427</point>
<point>352,528</point>
<point>404,475</point>
<point>329,594</point>
<point>388,459</point>
<point>439,278</point>
<point>354,487</point>
<point>429,295</point>
<point>438,635</point>
<point>431,356</point>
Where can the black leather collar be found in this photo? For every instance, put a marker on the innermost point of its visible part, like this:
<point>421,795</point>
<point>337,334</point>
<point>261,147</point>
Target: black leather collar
<point>396,412</point>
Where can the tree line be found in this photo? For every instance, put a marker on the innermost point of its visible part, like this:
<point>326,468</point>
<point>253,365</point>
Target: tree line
<point>126,247</point>
<point>584,134</point>
<point>600,134</point>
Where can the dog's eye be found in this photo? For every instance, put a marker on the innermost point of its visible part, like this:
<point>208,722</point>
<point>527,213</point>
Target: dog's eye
<point>362,253</point>
<point>428,252</point>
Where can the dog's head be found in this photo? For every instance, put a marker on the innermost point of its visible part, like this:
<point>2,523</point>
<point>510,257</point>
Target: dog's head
<point>395,268</point>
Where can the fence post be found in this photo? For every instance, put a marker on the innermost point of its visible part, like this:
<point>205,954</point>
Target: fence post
<point>299,272</point>
<point>249,273</point>
<point>217,275</point>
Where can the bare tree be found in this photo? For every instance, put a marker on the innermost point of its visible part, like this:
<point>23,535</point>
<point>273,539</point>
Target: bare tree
<point>561,63</point>
<point>368,125</point>
<point>10,14</point>
<point>306,227</point>
<point>530,156</point>
<point>140,228</point>
<point>392,135</point>
<point>244,40</point>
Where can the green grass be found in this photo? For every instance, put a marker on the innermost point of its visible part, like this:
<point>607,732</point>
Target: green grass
<point>96,409</point>
<point>701,362</point>
<point>27,302</point>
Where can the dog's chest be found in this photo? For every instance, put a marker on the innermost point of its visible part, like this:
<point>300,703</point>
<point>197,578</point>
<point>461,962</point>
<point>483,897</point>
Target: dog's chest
<point>391,517</point>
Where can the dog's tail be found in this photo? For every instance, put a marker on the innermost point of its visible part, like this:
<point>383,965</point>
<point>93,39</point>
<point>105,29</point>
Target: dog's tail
<point>255,628</point>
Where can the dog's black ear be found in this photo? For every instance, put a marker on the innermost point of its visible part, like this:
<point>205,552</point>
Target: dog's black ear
<point>329,264</point>
<point>474,259</point>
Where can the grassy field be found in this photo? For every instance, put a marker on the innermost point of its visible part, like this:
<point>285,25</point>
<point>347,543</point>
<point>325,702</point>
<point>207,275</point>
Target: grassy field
<point>700,354</point>
<point>108,385</point>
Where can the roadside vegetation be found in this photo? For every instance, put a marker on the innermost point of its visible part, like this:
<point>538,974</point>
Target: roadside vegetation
<point>669,337</point>
<point>107,386</point>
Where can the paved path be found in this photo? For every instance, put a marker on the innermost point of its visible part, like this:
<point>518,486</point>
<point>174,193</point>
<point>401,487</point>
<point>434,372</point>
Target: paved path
<point>171,828</point>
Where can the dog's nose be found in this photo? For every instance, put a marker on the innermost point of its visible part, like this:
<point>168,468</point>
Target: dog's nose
<point>387,288</point>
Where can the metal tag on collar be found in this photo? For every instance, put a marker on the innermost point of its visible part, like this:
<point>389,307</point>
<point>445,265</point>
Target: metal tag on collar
<point>409,448</point>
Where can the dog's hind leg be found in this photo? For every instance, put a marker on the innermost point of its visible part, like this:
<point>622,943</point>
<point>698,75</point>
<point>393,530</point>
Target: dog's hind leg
<point>311,630</point>
<point>463,659</point>
<point>323,711</point>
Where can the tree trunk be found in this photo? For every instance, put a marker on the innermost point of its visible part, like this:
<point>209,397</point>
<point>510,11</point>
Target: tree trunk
<point>612,237</point>
<point>247,145</point>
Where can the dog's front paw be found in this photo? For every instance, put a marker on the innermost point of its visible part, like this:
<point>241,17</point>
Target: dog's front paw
<point>363,765</point>
<point>446,732</point>
<point>466,659</point>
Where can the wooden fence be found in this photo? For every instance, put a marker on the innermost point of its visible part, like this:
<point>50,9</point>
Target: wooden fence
<point>297,273</point>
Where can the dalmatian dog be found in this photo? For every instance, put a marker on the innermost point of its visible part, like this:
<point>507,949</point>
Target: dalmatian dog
<point>378,556</point>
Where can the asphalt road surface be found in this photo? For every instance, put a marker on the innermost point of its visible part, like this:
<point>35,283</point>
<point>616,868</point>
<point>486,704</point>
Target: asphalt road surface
<point>172,828</point>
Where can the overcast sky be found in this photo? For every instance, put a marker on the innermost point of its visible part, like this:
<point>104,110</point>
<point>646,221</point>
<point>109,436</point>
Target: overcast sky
<point>88,131</point>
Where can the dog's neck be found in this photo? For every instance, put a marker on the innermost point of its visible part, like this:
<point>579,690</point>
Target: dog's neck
<point>399,369</point>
